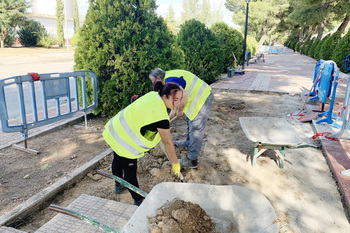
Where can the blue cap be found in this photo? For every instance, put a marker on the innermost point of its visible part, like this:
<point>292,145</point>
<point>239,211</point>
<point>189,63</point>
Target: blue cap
<point>179,81</point>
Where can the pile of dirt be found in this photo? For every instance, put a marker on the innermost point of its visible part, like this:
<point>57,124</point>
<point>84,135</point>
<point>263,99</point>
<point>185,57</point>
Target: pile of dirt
<point>179,216</point>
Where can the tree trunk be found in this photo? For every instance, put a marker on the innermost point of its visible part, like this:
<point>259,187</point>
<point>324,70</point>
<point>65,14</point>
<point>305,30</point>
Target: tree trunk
<point>320,30</point>
<point>263,38</point>
<point>343,25</point>
<point>309,33</point>
<point>2,38</point>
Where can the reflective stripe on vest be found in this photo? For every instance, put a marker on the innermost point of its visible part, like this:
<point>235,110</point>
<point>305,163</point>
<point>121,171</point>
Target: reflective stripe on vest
<point>129,131</point>
<point>196,98</point>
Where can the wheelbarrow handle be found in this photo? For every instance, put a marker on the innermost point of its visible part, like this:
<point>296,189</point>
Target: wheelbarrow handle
<point>122,182</point>
<point>80,216</point>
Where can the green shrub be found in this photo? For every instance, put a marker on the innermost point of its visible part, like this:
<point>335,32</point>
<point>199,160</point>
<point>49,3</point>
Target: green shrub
<point>313,48</point>
<point>341,51</point>
<point>30,33</point>
<point>252,45</point>
<point>10,37</point>
<point>47,41</point>
<point>74,39</point>
<point>329,45</point>
<point>203,53</point>
<point>307,46</point>
<point>293,44</point>
<point>231,41</point>
<point>122,44</point>
<point>297,46</point>
<point>317,52</point>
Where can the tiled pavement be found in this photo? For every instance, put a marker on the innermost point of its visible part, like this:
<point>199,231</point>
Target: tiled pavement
<point>112,213</point>
<point>286,73</point>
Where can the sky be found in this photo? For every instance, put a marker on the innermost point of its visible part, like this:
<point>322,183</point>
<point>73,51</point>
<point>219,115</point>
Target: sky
<point>46,7</point>
<point>163,6</point>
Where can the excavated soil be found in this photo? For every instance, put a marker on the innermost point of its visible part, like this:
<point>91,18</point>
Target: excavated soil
<point>179,216</point>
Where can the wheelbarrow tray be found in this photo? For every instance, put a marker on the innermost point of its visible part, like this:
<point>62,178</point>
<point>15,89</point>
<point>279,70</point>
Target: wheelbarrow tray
<point>229,206</point>
<point>269,131</point>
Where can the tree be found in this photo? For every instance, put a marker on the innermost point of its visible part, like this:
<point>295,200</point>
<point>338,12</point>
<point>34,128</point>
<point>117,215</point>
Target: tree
<point>262,16</point>
<point>203,53</point>
<point>231,42</point>
<point>201,11</point>
<point>170,20</point>
<point>12,14</point>
<point>76,16</point>
<point>122,42</point>
<point>59,22</point>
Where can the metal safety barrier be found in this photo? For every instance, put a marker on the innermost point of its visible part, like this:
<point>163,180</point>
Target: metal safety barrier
<point>344,132</point>
<point>34,100</point>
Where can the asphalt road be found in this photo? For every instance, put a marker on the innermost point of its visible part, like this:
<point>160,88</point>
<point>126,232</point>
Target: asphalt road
<point>21,61</point>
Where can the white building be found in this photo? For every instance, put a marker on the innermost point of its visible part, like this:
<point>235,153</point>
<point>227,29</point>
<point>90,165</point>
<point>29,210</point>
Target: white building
<point>44,11</point>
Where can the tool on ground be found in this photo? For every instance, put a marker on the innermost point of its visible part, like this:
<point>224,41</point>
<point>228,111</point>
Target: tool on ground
<point>308,95</point>
<point>80,216</point>
<point>123,182</point>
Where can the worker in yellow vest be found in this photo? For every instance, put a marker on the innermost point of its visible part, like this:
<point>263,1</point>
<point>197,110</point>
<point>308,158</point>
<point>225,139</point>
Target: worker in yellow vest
<point>140,127</point>
<point>199,100</point>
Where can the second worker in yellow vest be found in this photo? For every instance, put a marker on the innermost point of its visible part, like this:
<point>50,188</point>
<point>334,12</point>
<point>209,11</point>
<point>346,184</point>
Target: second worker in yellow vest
<point>140,127</point>
<point>199,100</point>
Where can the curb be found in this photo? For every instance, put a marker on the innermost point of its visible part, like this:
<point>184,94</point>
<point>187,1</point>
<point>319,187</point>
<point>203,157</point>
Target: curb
<point>27,207</point>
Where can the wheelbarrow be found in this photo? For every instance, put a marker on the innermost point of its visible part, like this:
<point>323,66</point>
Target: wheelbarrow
<point>271,133</point>
<point>233,208</point>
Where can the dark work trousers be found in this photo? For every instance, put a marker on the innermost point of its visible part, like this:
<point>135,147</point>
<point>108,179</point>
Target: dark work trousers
<point>126,169</point>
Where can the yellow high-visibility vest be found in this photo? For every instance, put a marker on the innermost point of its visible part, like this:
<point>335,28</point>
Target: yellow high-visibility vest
<point>197,91</point>
<point>122,132</point>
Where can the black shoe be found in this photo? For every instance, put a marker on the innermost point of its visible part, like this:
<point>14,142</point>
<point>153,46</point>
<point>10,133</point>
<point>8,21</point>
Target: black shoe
<point>186,162</point>
<point>119,189</point>
<point>139,202</point>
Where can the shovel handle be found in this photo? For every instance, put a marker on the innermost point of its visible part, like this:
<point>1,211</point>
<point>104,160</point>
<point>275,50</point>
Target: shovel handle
<point>122,182</point>
<point>80,216</point>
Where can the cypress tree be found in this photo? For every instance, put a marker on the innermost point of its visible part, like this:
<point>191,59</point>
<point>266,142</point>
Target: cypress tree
<point>76,16</point>
<point>122,42</point>
<point>59,22</point>
<point>341,51</point>
<point>203,53</point>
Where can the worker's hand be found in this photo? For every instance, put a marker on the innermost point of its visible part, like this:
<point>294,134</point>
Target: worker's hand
<point>180,113</point>
<point>175,167</point>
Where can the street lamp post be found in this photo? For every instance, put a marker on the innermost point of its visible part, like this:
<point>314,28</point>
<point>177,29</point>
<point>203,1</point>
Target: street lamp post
<point>245,33</point>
